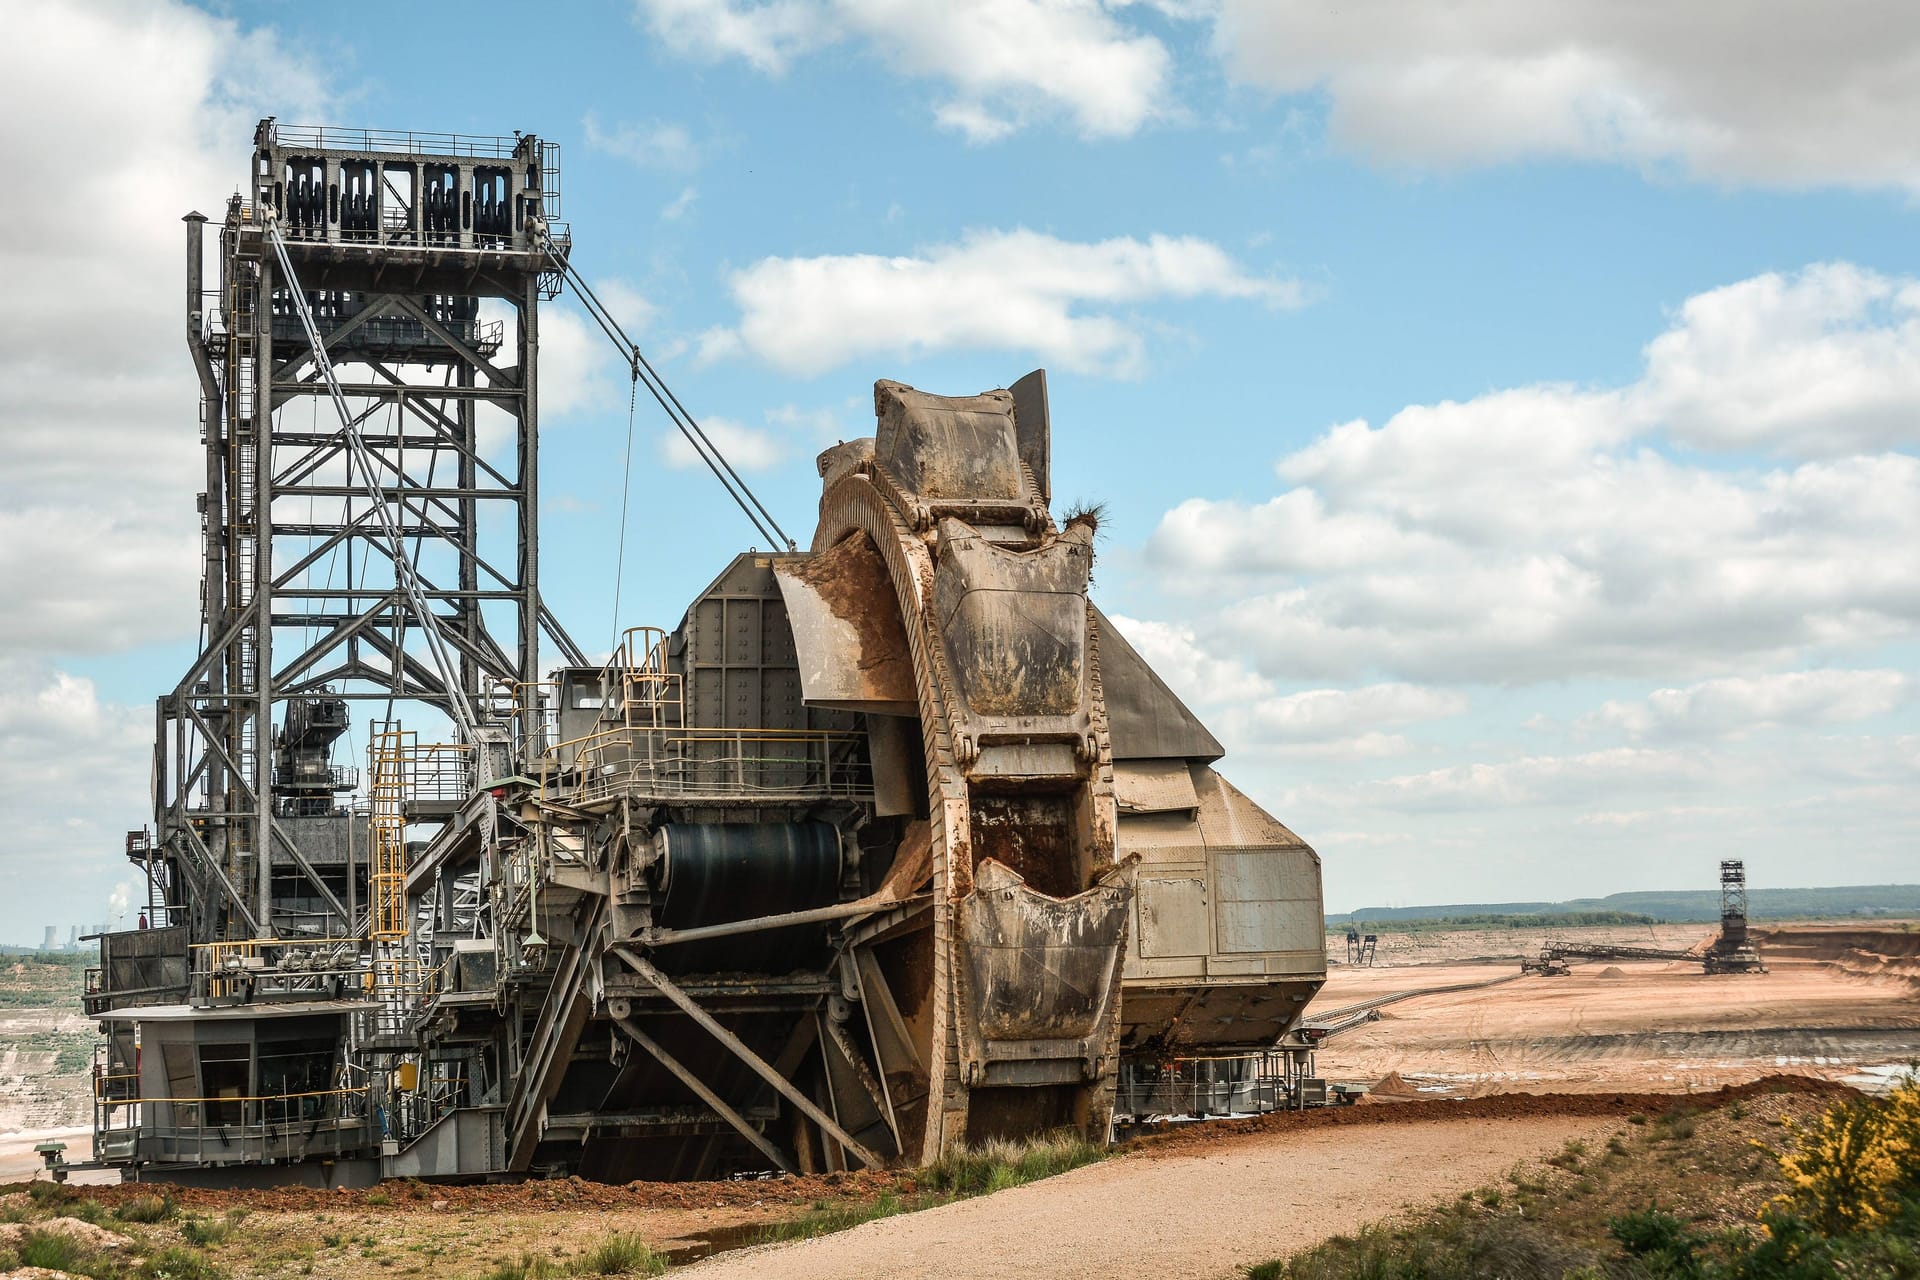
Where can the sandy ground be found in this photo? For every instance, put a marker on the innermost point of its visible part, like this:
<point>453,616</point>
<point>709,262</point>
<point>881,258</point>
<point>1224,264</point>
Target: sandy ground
<point>19,1163</point>
<point>1441,945</point>
<point>1835,1002</point>
<point>1192,1216</point>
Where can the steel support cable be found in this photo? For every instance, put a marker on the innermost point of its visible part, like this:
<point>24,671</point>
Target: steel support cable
<point>643,372</point>
<point>626,485</point>
<point>696,439</point>
<point>641,362</point>
<point>609,326</point>
<point>357,449</point>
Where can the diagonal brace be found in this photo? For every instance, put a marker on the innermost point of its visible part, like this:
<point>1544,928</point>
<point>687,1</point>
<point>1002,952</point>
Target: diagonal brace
<point>783,1086</point>
<point>706,1094</point>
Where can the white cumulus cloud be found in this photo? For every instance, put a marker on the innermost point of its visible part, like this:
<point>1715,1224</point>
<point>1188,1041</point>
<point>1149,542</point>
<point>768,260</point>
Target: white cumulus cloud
<point>747,448</point>
<point>1250,710</point>
<point>1733,705</point>
<point>1545,533</point>
<point>1773,92</point>
<point>1823,362</point>
<point>98,543</point>
<point>1015,290</point>
<point>76,766</point>
<point>1000,62</point>
<point>651,144</point>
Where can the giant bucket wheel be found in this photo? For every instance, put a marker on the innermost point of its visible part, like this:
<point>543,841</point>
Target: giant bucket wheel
<point>942,598</point>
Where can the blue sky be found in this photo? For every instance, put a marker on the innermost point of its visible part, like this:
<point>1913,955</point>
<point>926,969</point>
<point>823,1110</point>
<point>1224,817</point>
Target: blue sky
<point>1506,413</point>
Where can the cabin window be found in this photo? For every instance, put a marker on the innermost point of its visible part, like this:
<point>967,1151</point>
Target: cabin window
<point>224,1072</point>
<point>295,1077</point>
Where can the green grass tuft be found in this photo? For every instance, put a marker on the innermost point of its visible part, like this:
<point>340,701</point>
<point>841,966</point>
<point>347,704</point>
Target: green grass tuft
<point>1450,1248</point>
<point>982,1170</point>
<point>54,1252</point>
<point>146,1209</point>
<point>997,1165</point>
<point>620,1254</point>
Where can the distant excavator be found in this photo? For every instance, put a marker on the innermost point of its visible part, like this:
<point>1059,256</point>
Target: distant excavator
<point>1732,951</point>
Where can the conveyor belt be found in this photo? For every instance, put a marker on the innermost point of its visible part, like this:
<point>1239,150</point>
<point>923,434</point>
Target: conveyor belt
<point>1346,1017</point>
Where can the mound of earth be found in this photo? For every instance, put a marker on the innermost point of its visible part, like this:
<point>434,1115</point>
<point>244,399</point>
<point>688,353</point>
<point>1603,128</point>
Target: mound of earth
<point>81,1233</point>
<point>1392,1086</point>
<point>1612,971</point>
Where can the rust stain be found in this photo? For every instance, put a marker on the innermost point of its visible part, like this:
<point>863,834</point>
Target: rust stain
<point>912,862</point>
<point>851,579</point>
<point>1030,835</point>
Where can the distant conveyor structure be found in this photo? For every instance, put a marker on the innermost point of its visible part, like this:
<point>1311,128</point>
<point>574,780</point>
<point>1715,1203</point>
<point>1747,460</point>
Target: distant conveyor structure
<point>892,844</point>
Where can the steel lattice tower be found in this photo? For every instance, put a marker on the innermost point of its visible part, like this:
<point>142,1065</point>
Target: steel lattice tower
<point>401,245</point>
<point>1733,901</point>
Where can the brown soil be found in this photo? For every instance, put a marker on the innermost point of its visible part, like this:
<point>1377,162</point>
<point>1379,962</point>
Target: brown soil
<point>1835,1000</point>
<point>571,1195</point>
<point>1179,1196</point>
<point>1392,1086</point>
<point>851,578</point>
<point>1872,954</point>
<point>1180,1139</point>
<point>552,1195</point>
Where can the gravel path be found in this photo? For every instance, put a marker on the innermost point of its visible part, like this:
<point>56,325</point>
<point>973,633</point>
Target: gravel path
<point>1184,1217</point>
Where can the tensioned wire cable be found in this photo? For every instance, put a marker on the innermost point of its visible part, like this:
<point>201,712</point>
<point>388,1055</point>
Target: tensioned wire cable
<point>626,486</point>
<point>642,371</point>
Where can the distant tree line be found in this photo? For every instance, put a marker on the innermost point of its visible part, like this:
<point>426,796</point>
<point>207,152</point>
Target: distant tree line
<point>1686,906</point>
<point>1489,920</point>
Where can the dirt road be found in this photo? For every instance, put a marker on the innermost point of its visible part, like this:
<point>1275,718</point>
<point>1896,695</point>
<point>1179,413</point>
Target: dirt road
<point>1189,1217</point>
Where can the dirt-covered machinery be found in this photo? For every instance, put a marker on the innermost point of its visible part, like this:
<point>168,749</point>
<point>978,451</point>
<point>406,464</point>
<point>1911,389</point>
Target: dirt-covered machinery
<point>892,844</point>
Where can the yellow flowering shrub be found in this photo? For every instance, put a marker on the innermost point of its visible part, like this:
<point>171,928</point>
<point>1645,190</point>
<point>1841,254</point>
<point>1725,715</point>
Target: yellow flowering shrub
<point>1849,1168</point>
<point>1903,1133</point>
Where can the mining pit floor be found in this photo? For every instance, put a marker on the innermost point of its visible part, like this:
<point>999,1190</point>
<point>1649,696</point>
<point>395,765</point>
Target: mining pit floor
<point>1836,1003</point>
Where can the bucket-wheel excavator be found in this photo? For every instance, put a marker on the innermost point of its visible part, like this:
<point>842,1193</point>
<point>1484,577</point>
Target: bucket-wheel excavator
<point>892,844</point>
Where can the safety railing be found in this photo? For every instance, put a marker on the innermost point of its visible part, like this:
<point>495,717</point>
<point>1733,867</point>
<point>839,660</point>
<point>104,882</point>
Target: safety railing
<point>644,748</point>
<point>719,764</point>
<point>402,986</point>
<point>231,1129</point>
<point>404,141</point>
<point>251,968</point>
<point>114,1086</point>
<point>1239,1084</point>
<point>388,769</point>
<point>418,1110</point>
<point>432,772</point>
<point>400,333</point>
<point>530,709</point>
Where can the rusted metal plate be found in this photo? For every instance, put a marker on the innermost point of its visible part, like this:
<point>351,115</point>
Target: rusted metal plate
<point>1015,622</point>
<point>1267,899</point>
<point>949,447</point>
<point>1154,786</point>
<point>1173,918</point>
<point>1034,426</point>
<point>1040,975</point>
<point>847,632</point>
